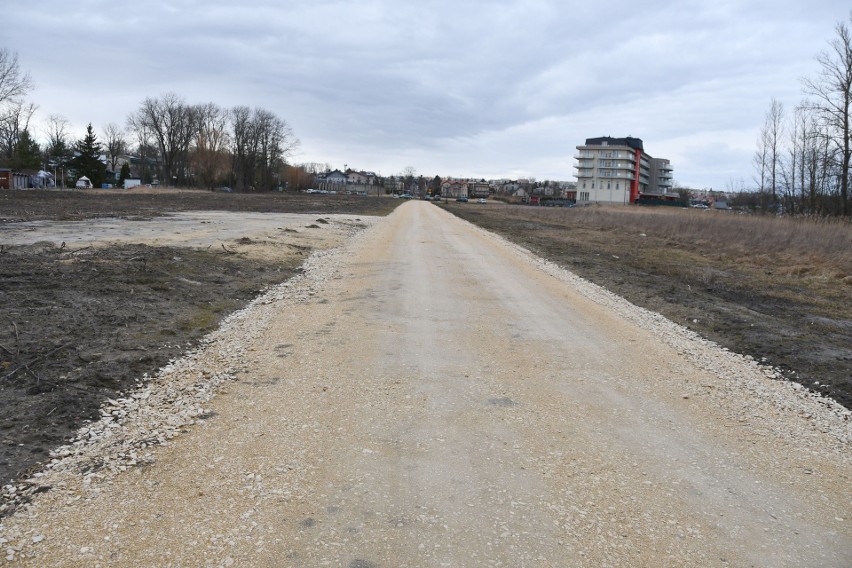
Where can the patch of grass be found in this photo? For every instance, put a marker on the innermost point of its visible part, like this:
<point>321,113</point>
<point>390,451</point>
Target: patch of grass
<point>202,319</point>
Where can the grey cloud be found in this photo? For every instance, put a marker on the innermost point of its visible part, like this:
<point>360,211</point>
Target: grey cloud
<point>473,86</point>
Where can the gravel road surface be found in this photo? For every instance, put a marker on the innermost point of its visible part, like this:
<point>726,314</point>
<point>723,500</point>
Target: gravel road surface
<point>429,395</point>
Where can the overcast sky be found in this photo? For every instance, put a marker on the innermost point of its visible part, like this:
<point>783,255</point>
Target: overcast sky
<point>480,88</point>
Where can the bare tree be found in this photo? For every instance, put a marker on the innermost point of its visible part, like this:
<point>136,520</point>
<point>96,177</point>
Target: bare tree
<point>316,167</point>
<point>819,169</point>
<point>832,92</point>
<point>57,150</point>
<point>56,131</point>
<point>14,84</point>
<point>767,157</point>
<point>13,125</point>
<point>209,155</point>
<point>261,142</point>
<point>115,143</point>
<point>303,176</point>
<point>759,160</point>
<point>243,147</point>
<point>268,144</point>
<point>172,125</point>
<point>146,152</point>
<point>791,168</point>
<point>811,159</point>
<point>14,113</point>
<point>774,130</point>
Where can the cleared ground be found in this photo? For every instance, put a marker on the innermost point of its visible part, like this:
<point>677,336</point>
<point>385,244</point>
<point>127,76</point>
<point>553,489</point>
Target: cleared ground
<point>430,396</point>
<point>98,288</point>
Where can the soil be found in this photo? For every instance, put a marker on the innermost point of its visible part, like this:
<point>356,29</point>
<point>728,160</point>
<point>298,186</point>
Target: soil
<point>747,303</point>
<point>146,203</point>
<point>81,324</point>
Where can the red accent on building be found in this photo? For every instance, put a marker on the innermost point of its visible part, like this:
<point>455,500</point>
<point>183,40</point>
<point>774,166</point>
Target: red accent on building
<point>634,185</point>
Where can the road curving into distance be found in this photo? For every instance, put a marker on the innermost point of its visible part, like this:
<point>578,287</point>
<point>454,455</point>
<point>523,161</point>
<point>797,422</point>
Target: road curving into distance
<point>429,395</point>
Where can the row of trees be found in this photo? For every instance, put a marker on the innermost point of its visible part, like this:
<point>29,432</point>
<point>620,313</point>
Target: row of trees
<point>802,162</point>
<point>201,145</point>
<point>204,145</point>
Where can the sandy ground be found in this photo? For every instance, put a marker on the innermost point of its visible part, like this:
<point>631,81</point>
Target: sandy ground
<point>438,399</point>
<point>183,229</point>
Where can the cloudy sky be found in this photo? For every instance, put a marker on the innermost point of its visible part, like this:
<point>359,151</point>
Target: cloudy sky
<point>480,88</point>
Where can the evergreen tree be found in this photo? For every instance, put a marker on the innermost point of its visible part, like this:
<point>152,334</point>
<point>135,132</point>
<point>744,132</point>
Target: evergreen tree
<point>87,161</point>
<point>26,155</point>
<point>57,153</point>
<point>124,174</point>
<point>435,185</point>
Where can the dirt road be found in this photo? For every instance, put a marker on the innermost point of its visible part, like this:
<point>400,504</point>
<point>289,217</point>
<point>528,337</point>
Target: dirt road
<point>430,396</point>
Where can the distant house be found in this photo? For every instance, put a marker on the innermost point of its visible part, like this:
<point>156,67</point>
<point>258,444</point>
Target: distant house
<point>454,188</point>
<point>395,185</point>
<point>5,178</point>
<point>479,189</point>
<point>356,177</point>
<point>336,176</point>
<point>509,187</point>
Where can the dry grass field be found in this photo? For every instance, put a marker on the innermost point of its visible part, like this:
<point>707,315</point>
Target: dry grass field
<point>777,289</point>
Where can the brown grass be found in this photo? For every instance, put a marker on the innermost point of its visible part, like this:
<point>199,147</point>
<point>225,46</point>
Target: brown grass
<point>804,245</point>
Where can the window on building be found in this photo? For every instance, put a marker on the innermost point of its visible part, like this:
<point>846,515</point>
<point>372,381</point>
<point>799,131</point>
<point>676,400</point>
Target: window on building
<point>593,185</point>
<point>608,185</point>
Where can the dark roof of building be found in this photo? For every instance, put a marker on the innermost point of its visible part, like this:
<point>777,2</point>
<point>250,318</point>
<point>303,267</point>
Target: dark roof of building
<point>630,142</point>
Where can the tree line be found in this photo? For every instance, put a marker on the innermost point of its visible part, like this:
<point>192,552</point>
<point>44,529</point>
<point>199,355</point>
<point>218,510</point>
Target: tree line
<point>802,161</point>
<point>170,140</point>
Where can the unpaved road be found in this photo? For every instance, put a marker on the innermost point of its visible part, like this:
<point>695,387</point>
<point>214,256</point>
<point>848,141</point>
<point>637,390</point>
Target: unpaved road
<point>430,396</point>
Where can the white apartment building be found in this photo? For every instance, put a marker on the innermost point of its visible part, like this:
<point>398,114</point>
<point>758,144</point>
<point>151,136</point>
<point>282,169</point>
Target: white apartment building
<point>617,170</point>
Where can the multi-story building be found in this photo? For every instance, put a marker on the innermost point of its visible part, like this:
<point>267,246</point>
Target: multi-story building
<point>617,170</point>
<point>454,188</point>
<point>661,176</point>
